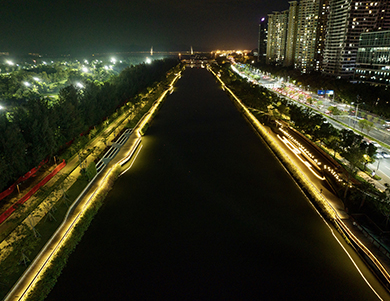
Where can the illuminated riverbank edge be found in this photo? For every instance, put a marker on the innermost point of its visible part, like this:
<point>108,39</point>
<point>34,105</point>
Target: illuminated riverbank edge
<point>41,283</point>
<point>319,200</point>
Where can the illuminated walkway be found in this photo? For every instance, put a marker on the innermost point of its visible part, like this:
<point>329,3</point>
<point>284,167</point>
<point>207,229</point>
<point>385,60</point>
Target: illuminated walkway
<point>207,212</point>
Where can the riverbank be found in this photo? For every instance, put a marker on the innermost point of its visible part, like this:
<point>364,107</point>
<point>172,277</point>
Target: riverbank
<point>331,207</point>
<point>153,105</point>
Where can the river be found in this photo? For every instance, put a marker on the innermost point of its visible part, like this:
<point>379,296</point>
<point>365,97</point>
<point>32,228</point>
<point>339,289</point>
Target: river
<point>207,213</point>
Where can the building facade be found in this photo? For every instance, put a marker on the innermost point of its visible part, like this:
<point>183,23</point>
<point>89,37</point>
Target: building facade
<point>262,41</point>
<point>323,35</point>
<point>312,19</point>
<point>276,41</point>
<point>291,37</point>
<point>347,20</point>
<point>373,58</point>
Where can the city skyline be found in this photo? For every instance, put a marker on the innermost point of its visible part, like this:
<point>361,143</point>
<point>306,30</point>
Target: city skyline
<point>112,26</point>
<point>323,35</point>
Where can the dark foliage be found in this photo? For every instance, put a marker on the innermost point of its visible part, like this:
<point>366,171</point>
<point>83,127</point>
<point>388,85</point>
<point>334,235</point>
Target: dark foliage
<point>38,129</point>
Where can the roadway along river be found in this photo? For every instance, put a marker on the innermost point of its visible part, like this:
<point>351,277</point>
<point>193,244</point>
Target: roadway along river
<point>207,213</point>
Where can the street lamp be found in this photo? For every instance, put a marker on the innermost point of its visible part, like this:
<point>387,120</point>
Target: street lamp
<point>357,109</point>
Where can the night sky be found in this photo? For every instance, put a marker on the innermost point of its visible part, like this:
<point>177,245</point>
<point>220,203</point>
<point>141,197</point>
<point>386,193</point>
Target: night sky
<point>86,26</point>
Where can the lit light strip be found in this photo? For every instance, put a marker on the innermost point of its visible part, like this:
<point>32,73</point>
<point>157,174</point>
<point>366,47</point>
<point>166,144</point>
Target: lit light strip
<point>296,152</point>
<point>131,152</point>
<point>49,258</point>
<point>155,106</point>
<point>136,155</point>
<point>349,255</point>
<point>332,212</point>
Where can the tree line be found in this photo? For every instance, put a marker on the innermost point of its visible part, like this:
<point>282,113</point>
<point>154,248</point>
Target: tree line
<point>40,127</point>
<point>344,142</point>
<point>372,98</point>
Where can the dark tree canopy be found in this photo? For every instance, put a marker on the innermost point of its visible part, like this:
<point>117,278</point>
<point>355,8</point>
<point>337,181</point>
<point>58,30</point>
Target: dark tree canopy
<point>37,129</point>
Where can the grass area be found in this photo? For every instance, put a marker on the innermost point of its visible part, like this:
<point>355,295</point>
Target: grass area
<point>29,246</point>
<point>13,267</point>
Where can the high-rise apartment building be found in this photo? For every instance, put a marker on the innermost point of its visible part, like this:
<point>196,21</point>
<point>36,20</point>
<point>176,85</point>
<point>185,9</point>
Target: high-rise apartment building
<point>323,35</point>
<point>347,20</point>
<point>291,37</point>
<point>383,19</point>
<point>373,58</point>
<point>276,40</point>
<point>281,38</point>
<point>312,19</point>
<point>262,41</point>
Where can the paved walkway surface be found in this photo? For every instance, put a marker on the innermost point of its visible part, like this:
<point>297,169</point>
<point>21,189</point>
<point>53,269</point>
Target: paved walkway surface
<point>71,171</point>
<point>127,148</point>
<point>335,202</point>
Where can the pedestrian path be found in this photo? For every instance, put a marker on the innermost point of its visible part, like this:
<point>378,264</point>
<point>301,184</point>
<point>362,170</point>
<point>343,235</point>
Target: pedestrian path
<point>70,173</point>
<point>111,153</point>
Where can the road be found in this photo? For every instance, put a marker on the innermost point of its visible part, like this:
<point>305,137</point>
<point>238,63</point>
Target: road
<point>75,212</point>
<point>378,132</point>
<point>208,212</point>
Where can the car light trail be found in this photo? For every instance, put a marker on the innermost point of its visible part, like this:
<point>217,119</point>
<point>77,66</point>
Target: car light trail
<point>321,198</point>
<point>297,153</point>
<point>41,263</point>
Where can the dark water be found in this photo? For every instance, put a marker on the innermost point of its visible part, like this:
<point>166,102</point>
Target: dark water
<point>207,213</point>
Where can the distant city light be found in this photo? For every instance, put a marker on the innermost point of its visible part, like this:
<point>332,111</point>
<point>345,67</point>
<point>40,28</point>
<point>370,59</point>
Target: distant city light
<point>113,60</point>
<point>148,61</point>
<point>86,61</point>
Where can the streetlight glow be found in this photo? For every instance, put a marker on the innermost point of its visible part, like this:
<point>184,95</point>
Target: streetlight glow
<point>148,61</point>
<point>10,63</point>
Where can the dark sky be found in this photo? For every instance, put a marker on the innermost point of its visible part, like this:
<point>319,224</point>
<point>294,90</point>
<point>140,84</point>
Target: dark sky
<point>63,26</point>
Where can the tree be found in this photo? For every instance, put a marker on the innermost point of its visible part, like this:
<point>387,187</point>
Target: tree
<point>324,132</point>
<point>362,124</point>
<point>334,143</point>
<point>369,126</point>
<point>384,205</point>
<point>334,110</point>
<point>353,150</point>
